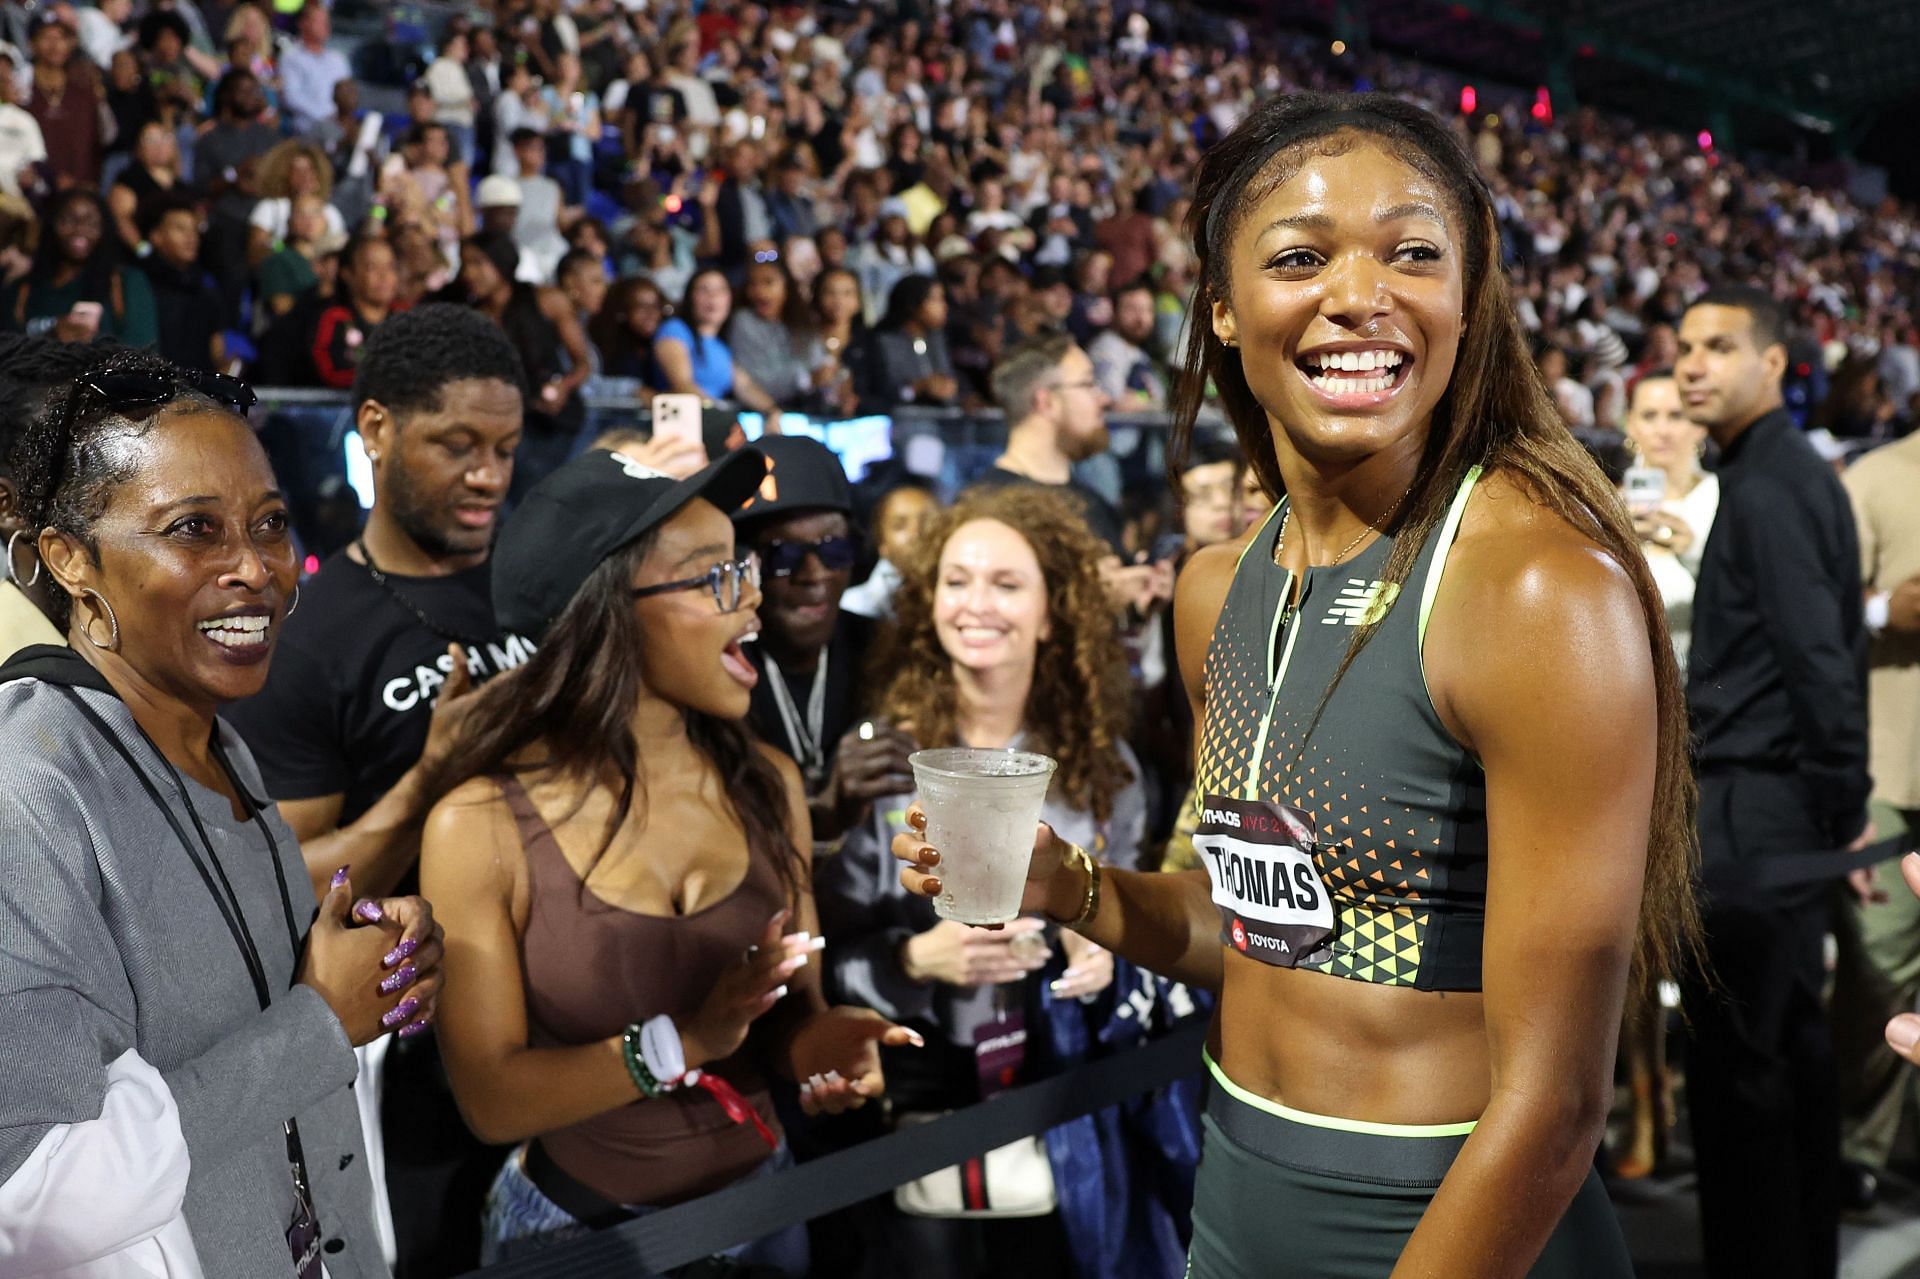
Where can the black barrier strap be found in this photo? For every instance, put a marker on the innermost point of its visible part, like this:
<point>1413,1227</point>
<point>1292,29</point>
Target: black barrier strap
<point>1788,870</point>
<point>746,1211</point>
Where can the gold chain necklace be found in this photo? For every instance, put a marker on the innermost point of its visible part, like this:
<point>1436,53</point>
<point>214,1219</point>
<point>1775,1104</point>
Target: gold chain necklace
<point>1280,546</point>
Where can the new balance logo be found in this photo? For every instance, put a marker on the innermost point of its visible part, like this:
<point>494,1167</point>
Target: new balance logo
<point>1361,603</point>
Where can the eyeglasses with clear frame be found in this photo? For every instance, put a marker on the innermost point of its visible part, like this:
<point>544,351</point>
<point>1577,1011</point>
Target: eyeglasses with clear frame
<point>728,580</point>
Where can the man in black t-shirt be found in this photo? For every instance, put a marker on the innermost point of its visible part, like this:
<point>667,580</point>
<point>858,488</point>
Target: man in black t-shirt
<point>349,715</point>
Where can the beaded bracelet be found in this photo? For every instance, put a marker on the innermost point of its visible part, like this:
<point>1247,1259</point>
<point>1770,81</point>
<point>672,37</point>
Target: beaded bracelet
<point>636,1064</point>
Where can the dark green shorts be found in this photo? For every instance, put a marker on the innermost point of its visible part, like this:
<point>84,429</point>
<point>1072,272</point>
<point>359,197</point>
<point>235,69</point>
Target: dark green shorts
<point>1286,1195</point>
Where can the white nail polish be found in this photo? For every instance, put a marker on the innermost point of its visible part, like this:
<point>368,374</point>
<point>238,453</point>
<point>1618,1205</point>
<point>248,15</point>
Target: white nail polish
<point>818,943</point>
<point>832,1076</point>
<point>781,993</point>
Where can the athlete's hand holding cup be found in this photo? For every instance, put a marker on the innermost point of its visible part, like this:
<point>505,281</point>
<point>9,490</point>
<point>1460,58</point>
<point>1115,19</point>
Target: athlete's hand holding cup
<point>975,809</point>
<point>1052,888</point>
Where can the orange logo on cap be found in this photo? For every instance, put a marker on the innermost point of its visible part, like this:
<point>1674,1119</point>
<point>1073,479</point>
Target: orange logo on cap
<point>769,489</point>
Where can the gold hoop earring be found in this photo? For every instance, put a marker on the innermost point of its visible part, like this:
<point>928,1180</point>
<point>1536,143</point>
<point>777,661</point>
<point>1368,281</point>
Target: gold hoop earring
<point>113,639</point>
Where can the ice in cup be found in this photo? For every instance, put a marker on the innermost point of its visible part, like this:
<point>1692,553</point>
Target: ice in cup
<point>982,807</point>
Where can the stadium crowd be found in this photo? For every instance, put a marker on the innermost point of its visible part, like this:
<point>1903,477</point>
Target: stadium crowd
<point>980,205</point>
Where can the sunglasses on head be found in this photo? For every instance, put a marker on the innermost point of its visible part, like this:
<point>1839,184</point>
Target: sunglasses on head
<point>783,558</point>
<point>140,389</point>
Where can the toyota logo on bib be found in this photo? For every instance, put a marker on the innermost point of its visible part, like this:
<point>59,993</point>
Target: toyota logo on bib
<point>1239,936</point>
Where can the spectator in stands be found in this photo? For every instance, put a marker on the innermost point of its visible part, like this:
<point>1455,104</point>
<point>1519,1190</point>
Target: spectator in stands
<point>518,107</point>
<point>842,334</point>
<point>1777,691</point>
<point>901,518</point>
<point>1131,378</point>
<point>29,368</point>
<point>694,359</point>
<point>293,168</point>
<point>153,170</point>
<point>890,257</point>
<point>79,286</point>
<point>224,164</point>
<point>103,30</point>
<point>583,279</point>
<point>540,323</point>
<point>309,69</point>
<point>1673,530</point>
<point>486,76</point>
<point>746,223</point>
<point>370,681</point>
<point>1056,416</point>
<point>424,185</point>
<point>65,98</point>
<point>369,287</point>
<point>454,101</point>
<point>773,340</point>
<point>249,41</point>
<point>573,128</point>
<point>632,705</point>
<point>1002,639</point>
<point>131,103</point>
<point>812,654</point>
<point>1878,969</point>
<point>544,208</point>
<point>907,360</point>
<point>696,95</point>
<point>23,149</point>
<point>290,273</point>
<point>206,1116</point>
<point>186,305</point>
<point>624,330</point>
<point>1127,235</point>
<point>1572,397</point>
<point>791,203</point>
<point>175,71</point>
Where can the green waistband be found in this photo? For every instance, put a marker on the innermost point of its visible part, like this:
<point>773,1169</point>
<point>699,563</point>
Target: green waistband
<point>1329,1121</point>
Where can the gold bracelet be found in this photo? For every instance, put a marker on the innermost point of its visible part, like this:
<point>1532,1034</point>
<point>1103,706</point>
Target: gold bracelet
<point>1089,907</point>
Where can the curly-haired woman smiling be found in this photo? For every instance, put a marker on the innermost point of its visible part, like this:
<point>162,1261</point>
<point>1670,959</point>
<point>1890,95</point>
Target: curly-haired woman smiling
<point>1004,638</point>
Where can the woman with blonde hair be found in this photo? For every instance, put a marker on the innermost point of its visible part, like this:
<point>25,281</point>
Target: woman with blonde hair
<point>293,168</point>
<point>1003,639</point>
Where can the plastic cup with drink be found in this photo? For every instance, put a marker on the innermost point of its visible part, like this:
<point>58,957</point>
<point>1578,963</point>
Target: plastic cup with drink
<point>982,807</point>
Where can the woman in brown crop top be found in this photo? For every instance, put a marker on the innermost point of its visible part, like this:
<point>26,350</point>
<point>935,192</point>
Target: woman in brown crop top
<point>618,867</point>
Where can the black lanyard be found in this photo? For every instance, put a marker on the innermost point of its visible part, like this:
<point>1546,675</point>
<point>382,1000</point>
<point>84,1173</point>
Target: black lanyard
<point>225,899</point>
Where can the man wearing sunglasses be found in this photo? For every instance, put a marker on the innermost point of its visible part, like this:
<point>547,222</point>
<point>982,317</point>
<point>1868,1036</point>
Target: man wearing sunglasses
<point>811,655</point>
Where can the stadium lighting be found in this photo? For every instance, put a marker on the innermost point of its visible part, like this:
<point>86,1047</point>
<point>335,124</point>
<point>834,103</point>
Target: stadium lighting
<point>1469,100</point>
<point>1542,109</point>
<point>1339,48</point>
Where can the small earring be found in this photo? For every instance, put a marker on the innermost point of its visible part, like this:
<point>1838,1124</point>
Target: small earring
<point>12,575</point>
<point>113,639</point>
<point>292,604</point>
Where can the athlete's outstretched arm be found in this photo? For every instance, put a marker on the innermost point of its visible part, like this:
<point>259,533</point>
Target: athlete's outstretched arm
<point>1538,658</point>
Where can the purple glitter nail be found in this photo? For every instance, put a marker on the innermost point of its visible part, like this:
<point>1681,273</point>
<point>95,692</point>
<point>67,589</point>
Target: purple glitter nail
<point>413,1028</point>
<point>398,981</point>
<point>403,951</point>
<point>405,1009</point>
<point>369,911</point>
<point>340,876</point>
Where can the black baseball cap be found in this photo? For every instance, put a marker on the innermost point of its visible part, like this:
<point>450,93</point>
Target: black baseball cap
<point>802,475</point>
<point>585,511</point>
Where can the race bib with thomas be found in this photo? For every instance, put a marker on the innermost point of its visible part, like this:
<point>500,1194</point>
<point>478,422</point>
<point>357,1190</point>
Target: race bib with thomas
<point>1259,858</point>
